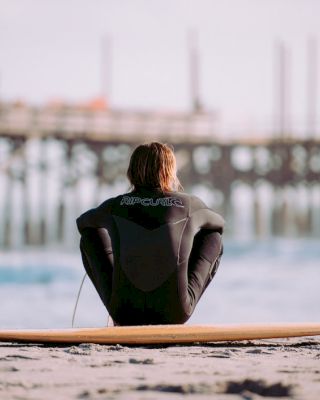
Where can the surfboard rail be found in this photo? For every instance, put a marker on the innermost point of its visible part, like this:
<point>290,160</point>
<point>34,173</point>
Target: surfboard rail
<point>162,334</point>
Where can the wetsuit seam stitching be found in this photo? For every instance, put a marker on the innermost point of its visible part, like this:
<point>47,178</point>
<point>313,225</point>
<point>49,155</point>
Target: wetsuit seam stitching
<point>175,222</point>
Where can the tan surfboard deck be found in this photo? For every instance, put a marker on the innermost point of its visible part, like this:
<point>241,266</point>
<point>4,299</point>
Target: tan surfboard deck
<point>162,334</point>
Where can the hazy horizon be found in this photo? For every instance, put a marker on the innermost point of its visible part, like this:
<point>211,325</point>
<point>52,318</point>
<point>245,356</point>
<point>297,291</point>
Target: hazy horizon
<point>52,50</point>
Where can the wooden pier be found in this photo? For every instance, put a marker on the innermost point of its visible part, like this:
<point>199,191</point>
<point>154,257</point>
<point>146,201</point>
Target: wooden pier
<point>270,184</point>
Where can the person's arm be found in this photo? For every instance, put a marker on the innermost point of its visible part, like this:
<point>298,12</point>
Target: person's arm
<point>95,217</point>
<point>206,250</point>
<point>203,263</point>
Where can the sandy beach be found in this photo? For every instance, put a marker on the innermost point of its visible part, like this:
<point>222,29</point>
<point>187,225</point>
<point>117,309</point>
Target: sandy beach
<point>287,368</point>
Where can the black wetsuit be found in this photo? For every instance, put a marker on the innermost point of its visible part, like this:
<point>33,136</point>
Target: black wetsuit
<point>151,254</point>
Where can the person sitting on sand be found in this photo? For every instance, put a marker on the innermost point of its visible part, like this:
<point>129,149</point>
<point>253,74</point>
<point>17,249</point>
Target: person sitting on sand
<point>152,252</point>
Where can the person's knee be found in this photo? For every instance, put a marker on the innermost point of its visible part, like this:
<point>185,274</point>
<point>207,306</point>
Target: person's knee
<point>209,245</point>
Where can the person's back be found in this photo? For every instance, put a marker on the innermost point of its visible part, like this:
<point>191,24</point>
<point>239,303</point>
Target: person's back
<point>152,252</point>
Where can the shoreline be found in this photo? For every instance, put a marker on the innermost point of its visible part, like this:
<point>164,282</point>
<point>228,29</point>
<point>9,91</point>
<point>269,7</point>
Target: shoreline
<point>287,368</point>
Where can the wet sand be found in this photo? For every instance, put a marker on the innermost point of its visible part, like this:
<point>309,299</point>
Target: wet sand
<point>287,368</point>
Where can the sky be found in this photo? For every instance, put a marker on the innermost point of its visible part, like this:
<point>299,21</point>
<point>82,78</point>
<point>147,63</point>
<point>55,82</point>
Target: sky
<point>51,49</point>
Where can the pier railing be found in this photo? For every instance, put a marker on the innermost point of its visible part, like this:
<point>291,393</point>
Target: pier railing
<point>104,125</point>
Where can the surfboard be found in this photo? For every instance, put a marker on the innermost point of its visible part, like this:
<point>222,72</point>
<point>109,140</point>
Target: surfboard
<point>162,334</point>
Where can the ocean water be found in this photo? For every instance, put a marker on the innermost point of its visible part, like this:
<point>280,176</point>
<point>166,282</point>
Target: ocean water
<point>257,281</point>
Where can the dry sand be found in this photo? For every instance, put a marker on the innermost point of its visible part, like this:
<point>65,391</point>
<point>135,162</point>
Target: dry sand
<point>288,368</point>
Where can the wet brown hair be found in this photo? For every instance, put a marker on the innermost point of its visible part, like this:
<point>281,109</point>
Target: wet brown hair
<point>153,165</point>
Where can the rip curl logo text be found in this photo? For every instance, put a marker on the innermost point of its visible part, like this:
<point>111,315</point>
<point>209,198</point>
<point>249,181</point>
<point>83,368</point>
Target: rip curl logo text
<point>145,201</point>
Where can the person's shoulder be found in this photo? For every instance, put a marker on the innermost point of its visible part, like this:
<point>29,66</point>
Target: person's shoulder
<point>196,204</point>
<point>108,204</point>
<point>194,201</point>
